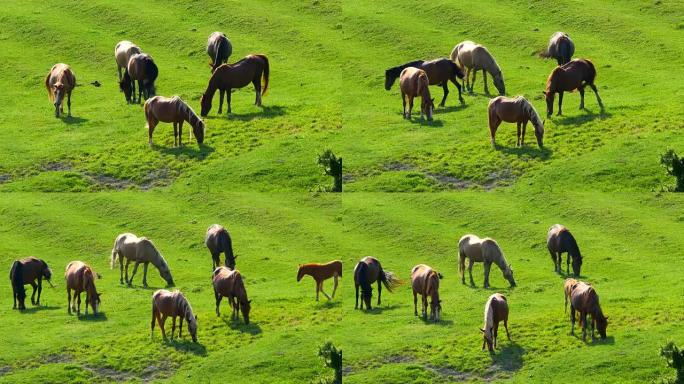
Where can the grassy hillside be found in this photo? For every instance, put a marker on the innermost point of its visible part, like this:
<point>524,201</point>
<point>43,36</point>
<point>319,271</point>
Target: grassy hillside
<point>69,186</point>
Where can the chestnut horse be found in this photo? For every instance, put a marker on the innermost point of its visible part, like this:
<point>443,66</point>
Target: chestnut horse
<point>80,277</point>
<point>60,81</point>
<point>320,273</point>
<point>251,69</point>
<point>28,271</point>
<point>585,300</point>
<point>514,110</point>
<point>368,271</point>
<point>140,68</point>
<point>172,110</point>
<point>218,240</point>
<point>122,53</point>
<point>576,74</point>
<point>496,311</point>
<point>219,49</point>
<point>560,240</point>
<point>485,251</point>
<point>568,286</point>
<point>166,303</point>
<point>472,57</point>
<point>425,282</point>
<point>560,48</point>
<point>439,72</point>
<point>229,283</point>
<point>414,82</point>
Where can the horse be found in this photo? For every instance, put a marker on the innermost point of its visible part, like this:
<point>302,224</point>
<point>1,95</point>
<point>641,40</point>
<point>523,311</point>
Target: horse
<point>368,271</point>
<point>413,83</point>
<point>576,74</point>
<point>425,281</point>
<point>166,303</point>
<point>472,57</point>
<point>560,48</point>
<point>141,68</point>
<point>585,300</point>
<point>219,49</point>
<point>568,286</point>
<point>28,271</point>
<point>252,69</point>
<point>218,240</point>
<point>320,273</point>
<point>514,110</point>
<point>122,54</point>
<point>560,240</point>
<point>439,72</point>
<point>80,277</point>
<point>496,311</point>
<point>482,250</point>
<point>58,82</point>
<point>229,283</point>
<point>139,250</point>
<point>176,111</point>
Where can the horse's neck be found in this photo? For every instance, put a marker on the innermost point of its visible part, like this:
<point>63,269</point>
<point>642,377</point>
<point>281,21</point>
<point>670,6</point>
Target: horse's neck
<point>490,65</point>
<point>425,89</point>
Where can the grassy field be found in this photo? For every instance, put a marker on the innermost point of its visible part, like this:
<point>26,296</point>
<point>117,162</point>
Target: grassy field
<point>69,186</point>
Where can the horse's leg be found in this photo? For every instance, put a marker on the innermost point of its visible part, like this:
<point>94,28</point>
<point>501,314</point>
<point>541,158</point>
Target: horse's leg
<point>173,326</point>
<point>425,306</point>
<point>228,98</point>
<point>14,297</point>
<point>445,87</point>
<point>69,301</point>
<point>403,102</point>
<point>517,143</point>
<point>40,289</point>
<point>560,103</point>
<point>318,288</point>
<point>322,291</point>
<point>572,319</point>
<point>33,295</point>
<point>584,325</point>
<point>69,104</point>
<point>496,333</point>
<point>458,86</point>
<point>140,92</point>
<point>470,271</point>
<point>221,92</point>
<point>257,89</point>
<point>119,69</point>
<point>593,324</point>
<point>553,258</point>
<point>581,92</point>
<point>487,267</point>
<point>461,266</point>
<point>410,107</point>
<point>494,122</point>
<point>128,261</point>
<point>524,127</point>
<point>415,303</point>
<point>484,74</point>
<point>175,133</point>
<point>508,335</point>
<point>144,274</point>
<point>180,133</point>
<point>356,304</point>
<point>162,321</point>
<point>379,291</point>
<point>180,328</point>
<point>151,125</point>
<point>135,269</point>
<point>78,307</point>
<point>472,81</point>
<point>567,263</point>
<point>218,303</point>
<point>598,98</point>
<point>335,282</point>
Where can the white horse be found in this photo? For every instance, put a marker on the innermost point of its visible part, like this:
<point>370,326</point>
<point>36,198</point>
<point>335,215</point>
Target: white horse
<point>139,250</point>
<point>485,251</point>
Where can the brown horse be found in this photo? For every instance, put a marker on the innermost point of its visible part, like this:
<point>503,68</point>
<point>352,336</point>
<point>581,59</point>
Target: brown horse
<point>140,68</point>
<point>439,72</point>
<point>229,283</point>
<point>226,77</point>
<point>576,74</point>
<point>219,49</point>
<point>176,111</point>
<point>559,240</point>
<point>368,271</point>
<point>425,282</point>
<point>60,81</point>
<point>560,48</point>
<point>414,82</point>
<point>80,277</point>
<point>585,300</point>
<point>28,271</point>
<point>166,303</point>
<point>514,110</point>
<point>568,286</point>
<point>320,273</point>
<point>218,240</point>
<point>496,311</point>
<point>122,54</point>
<point>472,57</point>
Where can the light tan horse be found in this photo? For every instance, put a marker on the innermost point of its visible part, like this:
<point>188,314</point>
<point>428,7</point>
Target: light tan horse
<point>166,303</point>
<point>122,53</point>
<point>425,282</point>
<point>60,81</point>
<point>413,83</point>
<point>485,251</point>
<point>80,277</point>
<point>472,57</point>
<point>172,110</point>
<point>320,273</point>
<point>496,311</point>
<point>568,286</point>
<point>229,283</point>
<point>140,250</point>
<point>514,110</point>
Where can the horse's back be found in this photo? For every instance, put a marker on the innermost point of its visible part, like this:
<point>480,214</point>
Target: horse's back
<point>471,247</point>
<point>227,282</point>
<point>74,274</point>
<point>409,80</point>
<point>583,296</point>
<point>499,305</point>
<point>373,268</point>
<point>419,274</point>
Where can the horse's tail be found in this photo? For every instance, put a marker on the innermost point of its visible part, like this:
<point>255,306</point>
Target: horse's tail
<point>389,280</point>
<point>591,76</point>
<point>17,277</point>
<point>265,74</point>
<point>456,70</point>
<point>51,95</point>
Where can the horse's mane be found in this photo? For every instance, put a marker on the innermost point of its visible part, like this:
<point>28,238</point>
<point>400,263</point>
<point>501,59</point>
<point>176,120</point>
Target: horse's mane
<point>492,246</point>
<point>531,112</point>
<point>396,71</point>
<point>183,304</point>
<point>489,314</point>
<point>549,81</point>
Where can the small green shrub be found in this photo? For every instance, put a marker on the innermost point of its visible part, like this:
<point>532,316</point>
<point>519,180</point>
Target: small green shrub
<point>675,167</point>
<point>332,166</point>
<point>675,359</point>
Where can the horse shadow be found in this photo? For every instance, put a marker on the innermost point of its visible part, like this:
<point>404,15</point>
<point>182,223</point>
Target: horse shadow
<point>39,308</point>
<point>451,108</point>
<point>267,112</point>
<point>329,304</point>
<point>440,323</point>
<point>582,119</point>
<point>380,309</point>
<point>101,316</point>
<point>609,340</point>
<point>534,151</point>
<point>187,346</point>
<point>200,152</point>
<point>423,122</point>
<point>509,358</point>
<point>237,325</point>
<point>71,120</point>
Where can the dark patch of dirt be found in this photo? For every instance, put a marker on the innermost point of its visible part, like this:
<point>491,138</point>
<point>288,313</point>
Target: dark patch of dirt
<point>4,178</point>
<point>5,370</point>
<point>450,181</point>
<point>109,182</point>
<point>397,166</point>
<point>449,373</point>
<point>56,166</point>
<point>501,178</point>
<point>157,178</point>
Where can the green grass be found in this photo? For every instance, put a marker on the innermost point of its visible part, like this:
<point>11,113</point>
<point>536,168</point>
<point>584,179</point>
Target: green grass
<point>69,186</point>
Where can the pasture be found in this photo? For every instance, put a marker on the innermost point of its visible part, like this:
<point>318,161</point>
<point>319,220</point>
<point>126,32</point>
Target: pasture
<point>69,186</point>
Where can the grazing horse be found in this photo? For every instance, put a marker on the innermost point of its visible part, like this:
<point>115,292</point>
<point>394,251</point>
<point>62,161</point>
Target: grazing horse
<point>251,69</point>
<point>496,311</point>
<point>560,240</point>
<point>140,250</point>
<point>482,250</point>
<point>568,286</point>
<point>229,283</point>
<point>166,303</point>
<point>218,240</point>
<point>60,81</point>
<point>560,48</point>
<point>576,74</point>
<point>514,110</point>
<point>27,271</point>
<point>320,273</point>
<point>413,83</point>
<point>122,54</point>
<point>140,68</point>
<point>176,111</point>
<point>439,72</point>
<point>472,57</point>
<point>80,277</point>
<point>368,271</point>
<point>219,49</point>
<point>585,300</point>
<point>425,281</point>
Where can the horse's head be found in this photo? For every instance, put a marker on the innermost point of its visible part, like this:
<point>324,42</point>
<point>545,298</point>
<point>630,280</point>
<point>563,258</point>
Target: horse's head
<point>205,103</point>
<point>602,325</point>
<point>198,128</point>
<point>165,273</point>
<point>125,86</point>
<point>435,309</point>
<point>58,90</point>
<point>508,275</point>
<point>577,264</point>
<point>246,307</point>
<point>487,335</point>
<point>549,96</point>
<point>300,273</point>
<point>230,262</point>
<point>539,133</point>
<point>390,77</point>
<point>427,107</point>
<point>367,294</point>
<point>499,83</point>
<point>46,272</point>
<point>95,302</point>
<point>192,327</point>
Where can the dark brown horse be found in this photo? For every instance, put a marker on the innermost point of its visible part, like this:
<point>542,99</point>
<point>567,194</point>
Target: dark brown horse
<point>80,277</point>
<point>60,81</point>
<point>585,300</point>
<point>166,303</point>
<point>218,241</point>
<point>141,68</point>
<point>219,49</point>
<point>560,48</point>
<point>226,77</point>
<point>228,283</point>
<point>413,83</point>
<point>368,271</point>
<point>514,110</point>
<point>560,240</point>
<point>439,72</point>
<point>176,111</point>
<point>576,74</point>
<point>31,271</point>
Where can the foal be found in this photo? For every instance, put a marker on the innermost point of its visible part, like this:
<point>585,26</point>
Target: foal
<point>425,281</point>
<point>320,273</point>
<point>80,277</point>
<point>413,83</point>
<point>576,74</point>
<point>496,311</point>
<point>60,81</point>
